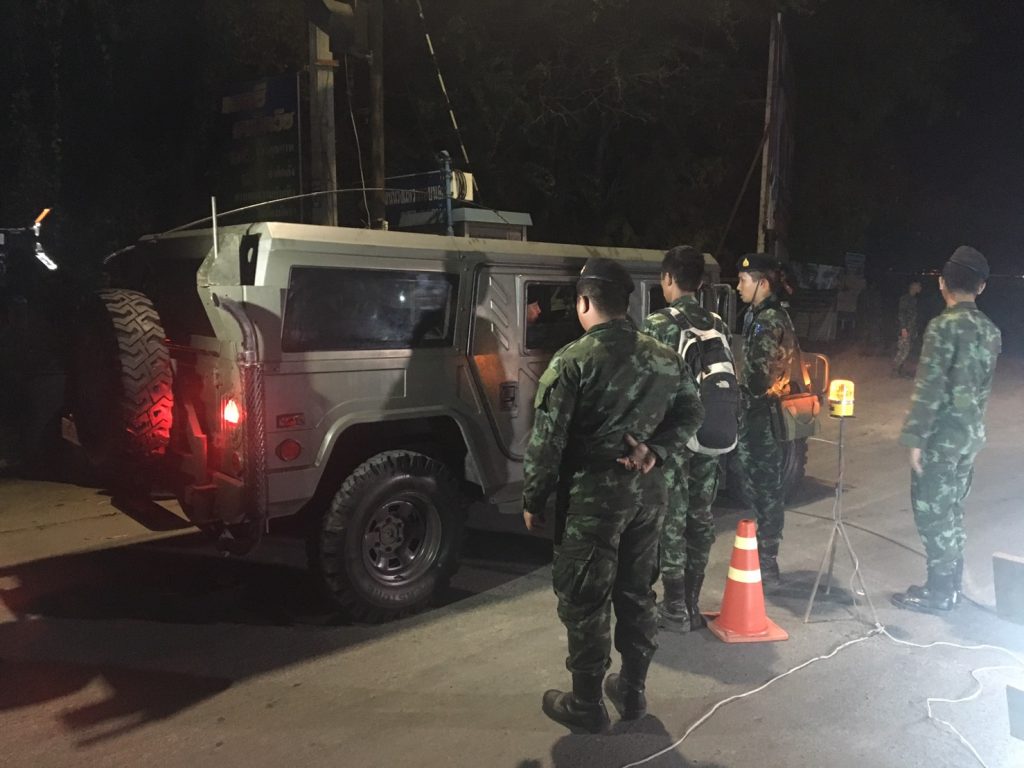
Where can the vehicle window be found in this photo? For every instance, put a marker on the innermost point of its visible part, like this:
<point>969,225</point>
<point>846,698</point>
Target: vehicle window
<point>550,320</point>
<point>345,309</point>
<point>655,298</point>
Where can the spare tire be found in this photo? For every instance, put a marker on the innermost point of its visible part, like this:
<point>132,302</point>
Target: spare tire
<point>121,381</point>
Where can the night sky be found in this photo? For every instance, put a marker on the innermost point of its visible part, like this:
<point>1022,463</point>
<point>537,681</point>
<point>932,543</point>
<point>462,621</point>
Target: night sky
<point>909,119</point>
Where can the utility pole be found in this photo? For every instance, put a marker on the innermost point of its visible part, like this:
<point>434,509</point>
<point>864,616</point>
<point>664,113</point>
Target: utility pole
<point>323,148</point>
<point>770,148</point>
<point>375,22</point>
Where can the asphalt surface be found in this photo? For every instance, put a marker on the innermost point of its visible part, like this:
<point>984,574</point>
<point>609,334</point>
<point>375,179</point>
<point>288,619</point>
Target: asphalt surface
<point>125,641</point>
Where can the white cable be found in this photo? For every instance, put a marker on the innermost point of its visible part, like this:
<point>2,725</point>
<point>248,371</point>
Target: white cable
<point>877,630</point>
<point>977,692</point>
<point>704,718</point>
<point>974,674</point>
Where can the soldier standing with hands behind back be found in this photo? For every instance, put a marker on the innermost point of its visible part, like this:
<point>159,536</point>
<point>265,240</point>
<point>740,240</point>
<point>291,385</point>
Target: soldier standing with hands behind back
<point>611,407</point>
<point>945,428</point>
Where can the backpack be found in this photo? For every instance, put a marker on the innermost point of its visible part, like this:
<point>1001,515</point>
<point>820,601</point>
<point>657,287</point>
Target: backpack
<point>707,353</point>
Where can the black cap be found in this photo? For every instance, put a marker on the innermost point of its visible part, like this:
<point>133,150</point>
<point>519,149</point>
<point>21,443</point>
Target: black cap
<point>756,262</point>
<point>968,257</point>
<point>608,271</point>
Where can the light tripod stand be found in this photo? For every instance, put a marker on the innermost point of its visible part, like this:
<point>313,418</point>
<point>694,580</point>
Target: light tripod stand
<point>841,408</point>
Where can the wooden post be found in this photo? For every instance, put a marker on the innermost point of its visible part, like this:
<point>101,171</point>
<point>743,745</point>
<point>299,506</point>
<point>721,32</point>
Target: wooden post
<point>323,170</point>
<point>375,22</point>
<point>767,156</point>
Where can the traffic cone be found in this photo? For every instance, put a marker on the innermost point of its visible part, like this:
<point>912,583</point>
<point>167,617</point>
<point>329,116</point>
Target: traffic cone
<point>743,619</point>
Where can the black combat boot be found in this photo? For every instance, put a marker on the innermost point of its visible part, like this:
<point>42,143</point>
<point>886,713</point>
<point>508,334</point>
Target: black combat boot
<point>581,710</point>
<point>626,690</point>
<point>768,557</point>
<point>672,612</point>
<point>936,596</point>
<point>694,582</point>
<point>958,580</point>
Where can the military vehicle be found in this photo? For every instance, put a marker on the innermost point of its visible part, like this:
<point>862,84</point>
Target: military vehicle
<point>373,383</point>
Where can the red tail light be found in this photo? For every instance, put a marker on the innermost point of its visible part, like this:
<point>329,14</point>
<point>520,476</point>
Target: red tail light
<point>289,450</point>
<point>231,413</point>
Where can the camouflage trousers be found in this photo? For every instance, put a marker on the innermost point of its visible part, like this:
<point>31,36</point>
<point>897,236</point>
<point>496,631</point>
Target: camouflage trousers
<point>937,496</point>
<point>761,457</point>
<point>607,558</point>
<point>689,528</point>
<point>903,347</point>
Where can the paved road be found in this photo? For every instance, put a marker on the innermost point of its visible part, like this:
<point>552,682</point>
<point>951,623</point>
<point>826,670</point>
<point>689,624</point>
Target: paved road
<point>122,645</point>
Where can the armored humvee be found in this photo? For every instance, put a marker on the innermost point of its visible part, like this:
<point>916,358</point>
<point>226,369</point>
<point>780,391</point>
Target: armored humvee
<point>371,382</point>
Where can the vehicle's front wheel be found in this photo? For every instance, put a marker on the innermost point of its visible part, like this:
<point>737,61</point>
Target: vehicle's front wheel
<point>391,537</point>
<point>794,468</point>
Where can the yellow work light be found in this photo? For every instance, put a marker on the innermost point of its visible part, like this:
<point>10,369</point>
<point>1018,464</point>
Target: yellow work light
<point>840,398</point>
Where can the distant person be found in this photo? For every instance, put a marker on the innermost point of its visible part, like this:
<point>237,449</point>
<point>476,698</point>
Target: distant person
<point>770,345</point>
<point>946,427</point>
<point>692,476</point>
<point>906,319</point>
<point>611,407</point>
<point>846,303</point>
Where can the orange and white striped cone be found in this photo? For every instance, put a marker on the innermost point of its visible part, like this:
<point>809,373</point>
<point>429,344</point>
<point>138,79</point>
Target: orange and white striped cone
<point>743,618</point>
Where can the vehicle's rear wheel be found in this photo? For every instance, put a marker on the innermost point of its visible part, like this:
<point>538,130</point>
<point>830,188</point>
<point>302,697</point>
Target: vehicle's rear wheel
<point>391,538</point>
<point>121,382</point>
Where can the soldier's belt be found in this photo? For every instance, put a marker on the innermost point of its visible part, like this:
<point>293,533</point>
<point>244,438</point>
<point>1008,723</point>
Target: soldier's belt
<point>599,457</point>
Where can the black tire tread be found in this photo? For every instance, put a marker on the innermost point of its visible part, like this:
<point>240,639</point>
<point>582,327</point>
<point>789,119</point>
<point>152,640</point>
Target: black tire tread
<point>795,470</point>
<point>131,427</point>
<point>146,396</point>
<point>326,552</point>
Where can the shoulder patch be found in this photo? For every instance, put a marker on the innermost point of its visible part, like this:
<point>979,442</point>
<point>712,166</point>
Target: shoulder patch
<point>547,380</point>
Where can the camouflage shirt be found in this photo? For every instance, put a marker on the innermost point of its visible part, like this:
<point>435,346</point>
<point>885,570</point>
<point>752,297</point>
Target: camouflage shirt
<point>906,314</point>
<point>664,328</point>
<point>610,382</point>
<point>954,379</point>
<point>769,344</point>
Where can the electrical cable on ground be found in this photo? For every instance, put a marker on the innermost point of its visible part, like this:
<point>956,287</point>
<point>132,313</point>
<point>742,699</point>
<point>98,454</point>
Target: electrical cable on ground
<point>974,674</point>
<point>861,528</point>
<point>878,629</point>
<point>875,631</point>
<point>707,715</point>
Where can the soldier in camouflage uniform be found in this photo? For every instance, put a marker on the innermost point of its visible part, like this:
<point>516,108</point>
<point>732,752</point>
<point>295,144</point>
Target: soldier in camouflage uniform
<point>906,318</point>
<point>689,528</point>
<point>945,428</point>
<point>610,407</point>
<point>769,348</point>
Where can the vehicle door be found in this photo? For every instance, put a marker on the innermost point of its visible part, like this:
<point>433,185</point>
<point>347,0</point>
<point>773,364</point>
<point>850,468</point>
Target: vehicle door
<point>523,316</point>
